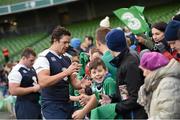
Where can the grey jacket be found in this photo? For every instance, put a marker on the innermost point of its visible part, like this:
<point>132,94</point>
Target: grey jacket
<point>165,101</point>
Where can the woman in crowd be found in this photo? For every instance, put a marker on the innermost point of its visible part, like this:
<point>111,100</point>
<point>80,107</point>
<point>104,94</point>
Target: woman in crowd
<point>160,93</point>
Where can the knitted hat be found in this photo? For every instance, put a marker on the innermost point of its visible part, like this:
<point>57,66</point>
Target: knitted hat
<point>105,22</point>
<point>153,60</point>
<point>116,40</point>
<point>171,32</point>
<point>75,42</point>
<point>160,26</point>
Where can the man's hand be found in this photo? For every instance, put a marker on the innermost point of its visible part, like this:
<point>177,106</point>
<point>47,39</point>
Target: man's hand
<point>78,114</point>
<point>73,68</point>
<point>36,87</point>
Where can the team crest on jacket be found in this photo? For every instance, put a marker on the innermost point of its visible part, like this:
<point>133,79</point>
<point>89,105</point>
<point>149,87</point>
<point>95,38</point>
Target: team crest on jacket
<point>53,58</point>
<point>65,78</point>
<point>24,71</point>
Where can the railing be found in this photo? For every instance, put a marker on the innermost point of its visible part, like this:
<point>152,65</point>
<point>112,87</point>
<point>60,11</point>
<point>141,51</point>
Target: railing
<point>30,5</point>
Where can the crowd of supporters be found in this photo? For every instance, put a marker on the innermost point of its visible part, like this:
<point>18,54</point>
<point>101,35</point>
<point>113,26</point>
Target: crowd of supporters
<point>135,76</point>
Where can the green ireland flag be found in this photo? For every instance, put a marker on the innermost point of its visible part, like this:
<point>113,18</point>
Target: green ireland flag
<point>133,18</point>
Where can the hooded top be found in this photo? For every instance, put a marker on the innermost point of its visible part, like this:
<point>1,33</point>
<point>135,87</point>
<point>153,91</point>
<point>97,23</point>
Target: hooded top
<point>160,93</point>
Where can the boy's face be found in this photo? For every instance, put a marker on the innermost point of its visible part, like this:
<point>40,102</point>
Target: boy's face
<point>98,74</point>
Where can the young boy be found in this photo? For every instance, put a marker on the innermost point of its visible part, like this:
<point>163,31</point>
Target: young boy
<point>102,82</point>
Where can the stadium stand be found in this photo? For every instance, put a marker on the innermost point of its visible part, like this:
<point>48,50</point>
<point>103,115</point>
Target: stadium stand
<point>15,45</point>
<point>7,2</point>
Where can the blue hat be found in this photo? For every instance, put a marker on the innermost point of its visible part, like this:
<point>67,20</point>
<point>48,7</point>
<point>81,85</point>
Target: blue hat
<point>116,40</point>
<point>171,32</point>
<point>75,42</point>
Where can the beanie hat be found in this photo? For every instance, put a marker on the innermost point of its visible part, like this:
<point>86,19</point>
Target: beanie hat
<point>160,26</point>
<point>105,22</point>
<point>171,32</point>
<point>75,42</point>
<point>153,60</point>
<point>116,40</point>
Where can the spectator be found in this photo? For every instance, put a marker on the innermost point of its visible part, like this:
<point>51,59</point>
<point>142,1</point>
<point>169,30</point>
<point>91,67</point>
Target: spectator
<point>101,45</point>
<point>177,46</point>
<point>160,93</point>
<point>172,35</point>
<point>5,52</point>
<point>129,78</point>
<point>158,42</point>
<point>75,43</point>
<point>102,82</point>
<point>86,44</point>
<point>105,22</point>
<point>3,81</point>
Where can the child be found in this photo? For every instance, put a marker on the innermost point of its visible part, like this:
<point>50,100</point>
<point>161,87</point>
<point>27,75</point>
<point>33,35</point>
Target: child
<point>102,82</point>
<point>93,53</point>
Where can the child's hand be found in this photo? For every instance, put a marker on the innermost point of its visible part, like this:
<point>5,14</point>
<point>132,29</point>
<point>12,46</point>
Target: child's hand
<point>84,99</point>
<point>105,99</point>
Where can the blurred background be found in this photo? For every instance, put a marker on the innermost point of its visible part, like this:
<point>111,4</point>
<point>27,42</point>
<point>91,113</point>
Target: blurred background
<point>28,23</point>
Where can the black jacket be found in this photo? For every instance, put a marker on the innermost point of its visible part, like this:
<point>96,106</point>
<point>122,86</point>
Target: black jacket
<point>130,75</point>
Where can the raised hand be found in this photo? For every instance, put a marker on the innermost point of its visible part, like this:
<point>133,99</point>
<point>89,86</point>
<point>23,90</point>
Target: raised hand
<point>84,99</point>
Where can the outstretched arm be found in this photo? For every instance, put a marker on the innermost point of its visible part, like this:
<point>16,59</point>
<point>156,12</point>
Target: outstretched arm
<point>79,114</point>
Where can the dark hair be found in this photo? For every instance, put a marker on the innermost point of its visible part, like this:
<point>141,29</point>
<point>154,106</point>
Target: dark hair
<point>95,63</point>
<point>58,33</point>
<point>101,34</point>
<point>160,26</point>
<point>89,38</point>
<point>27,52</point>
